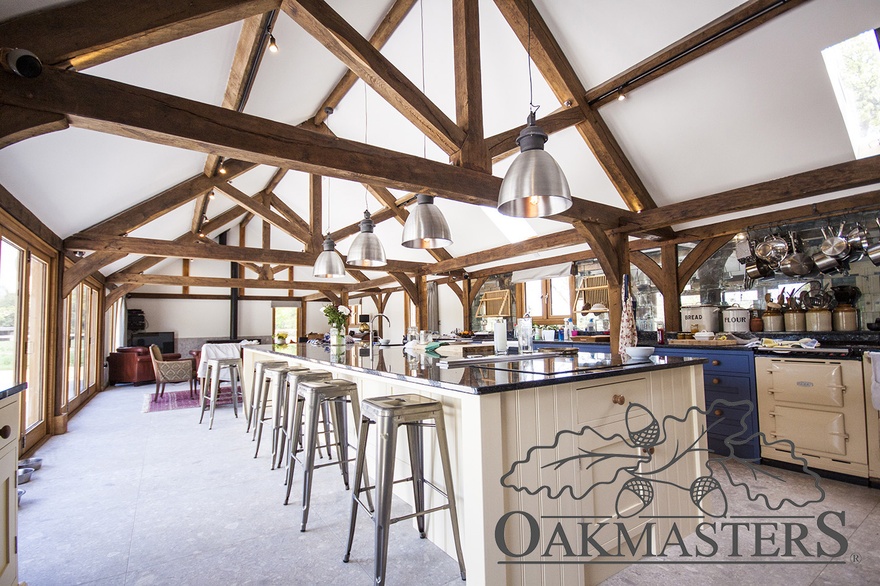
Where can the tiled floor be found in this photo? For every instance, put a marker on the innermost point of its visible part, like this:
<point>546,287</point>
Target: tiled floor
<point>127,497</point>
<point>136,498</point>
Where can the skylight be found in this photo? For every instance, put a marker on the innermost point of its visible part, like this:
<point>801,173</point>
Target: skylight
<point>854,69</point>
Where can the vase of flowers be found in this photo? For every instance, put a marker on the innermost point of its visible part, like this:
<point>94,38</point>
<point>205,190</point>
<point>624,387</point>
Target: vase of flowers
<point>336,316</point>
<point>281,338</point>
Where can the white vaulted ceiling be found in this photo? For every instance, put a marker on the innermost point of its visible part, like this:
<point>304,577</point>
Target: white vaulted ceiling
<point>758,108</point>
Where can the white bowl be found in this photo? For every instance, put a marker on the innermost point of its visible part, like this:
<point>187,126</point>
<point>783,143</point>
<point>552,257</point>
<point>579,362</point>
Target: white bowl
<point>704,336</point>
<point>640,351</point>
<point>385,341</point>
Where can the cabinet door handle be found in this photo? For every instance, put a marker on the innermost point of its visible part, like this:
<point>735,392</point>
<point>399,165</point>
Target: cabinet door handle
<point>618,399</point>
<point>715,381</point>
<point>718,412</point>
<point>5,432</point>
<point>716,363</point>
<point>648,450</point>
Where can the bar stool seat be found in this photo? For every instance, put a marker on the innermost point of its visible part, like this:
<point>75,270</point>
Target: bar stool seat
<point>211,385</point>
<point>389,413</point>
<point>314,394</point>
<point>287,432</point>
<point>273,390</point>
<point>256,388</point>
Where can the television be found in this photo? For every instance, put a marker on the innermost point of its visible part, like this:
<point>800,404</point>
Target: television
<point>164,340</point>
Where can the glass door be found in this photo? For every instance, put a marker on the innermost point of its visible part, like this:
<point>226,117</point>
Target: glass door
<point>34,407</point>
<point>11,268</point>
<point>81,324</point>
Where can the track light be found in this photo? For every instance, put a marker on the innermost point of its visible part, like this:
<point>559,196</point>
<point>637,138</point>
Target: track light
<point>21,62</point>
<point>273,47</point>
<point>222,168</point>
<point>211,195</point>
<point>621,97</point>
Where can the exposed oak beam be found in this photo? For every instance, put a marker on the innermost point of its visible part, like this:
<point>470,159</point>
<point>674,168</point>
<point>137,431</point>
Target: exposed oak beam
<point>262,210</point>
<point>302,226</point>
<point>352,229</point>
<point>87,33</point>
<point>708,38</point>
<point>223,282</point>
<point>389,24</point>
<point>555,240</point>
<point>816,182</point>
<point>316,213</point>
<point>17,124</point>
<point>28,219</point>
<point>182,249</point>
<point>322,22</point>
<point>145,212</point>
<point>125,110</point>
<point>468,84</point>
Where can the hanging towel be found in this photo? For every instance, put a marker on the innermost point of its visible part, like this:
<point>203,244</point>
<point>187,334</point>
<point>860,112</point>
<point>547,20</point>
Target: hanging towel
<point>215,351</point>
<point>628,335</point>
<point>874,357</point>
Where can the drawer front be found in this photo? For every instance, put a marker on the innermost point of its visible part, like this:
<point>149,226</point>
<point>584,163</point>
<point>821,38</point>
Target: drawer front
<point>811,431</point>
<point>725,386</point>
<point>809,383</point>
<point>738,362</point>
<point>9,422</point>
<point>600,401</point>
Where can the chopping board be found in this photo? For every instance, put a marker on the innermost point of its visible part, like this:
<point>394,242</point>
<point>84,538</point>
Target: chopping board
<point>594,339</point>
<point>702,342</point>
<point>458,349</point>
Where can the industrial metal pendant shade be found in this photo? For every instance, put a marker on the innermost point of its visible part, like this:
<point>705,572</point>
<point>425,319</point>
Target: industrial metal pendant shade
<point>329,264</point>
<point>366,249</point>
<point>534,185</point>
<point>426,227</point>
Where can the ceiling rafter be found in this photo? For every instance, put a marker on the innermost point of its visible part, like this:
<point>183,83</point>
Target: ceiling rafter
<point>710,37</point>
<point>194,248</point>
<point>17,124</point>
<point>383,32</point>
<point>322,22</point>
<point>820,181</point>
<point>91,32</point>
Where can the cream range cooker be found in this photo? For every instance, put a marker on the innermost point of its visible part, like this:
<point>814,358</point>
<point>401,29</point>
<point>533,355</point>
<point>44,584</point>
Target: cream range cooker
<point>816,400</point>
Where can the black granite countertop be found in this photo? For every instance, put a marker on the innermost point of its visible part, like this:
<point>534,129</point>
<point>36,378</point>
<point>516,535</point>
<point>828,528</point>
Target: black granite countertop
<point>394,362</point>
<point>11,391</point>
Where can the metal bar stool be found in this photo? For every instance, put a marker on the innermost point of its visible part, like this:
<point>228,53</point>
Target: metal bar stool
<point>211,385</point>
<point>286,432</point>
<point>273,389</point>
<point>315,394</point>
<point>389,413</point>
<point>256,389</point>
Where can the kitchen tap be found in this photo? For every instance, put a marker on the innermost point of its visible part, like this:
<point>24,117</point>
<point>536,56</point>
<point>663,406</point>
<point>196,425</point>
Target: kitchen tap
<point>372,319</point>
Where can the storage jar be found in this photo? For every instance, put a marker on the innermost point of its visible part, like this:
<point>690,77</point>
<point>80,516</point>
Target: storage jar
<point>698,318</point>
<point>795,321</point>
<point>773,322</point>
<point>735,319</point>
<point>818,320</point>
<point>845,318</point>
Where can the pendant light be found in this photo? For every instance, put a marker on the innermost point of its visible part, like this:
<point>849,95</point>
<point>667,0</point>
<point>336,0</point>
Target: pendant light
<point>534,185</point>
<point>366,250</point>
<point>329,264</point>
<point>425,227</point>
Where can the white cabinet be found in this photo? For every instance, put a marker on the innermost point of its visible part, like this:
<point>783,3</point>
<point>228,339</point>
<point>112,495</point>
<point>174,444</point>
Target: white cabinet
<point>9,433</point>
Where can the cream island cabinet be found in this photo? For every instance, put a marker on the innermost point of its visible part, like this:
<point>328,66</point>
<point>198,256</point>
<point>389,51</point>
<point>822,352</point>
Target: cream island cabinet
<point>10,415</point>
<point>543,452</point>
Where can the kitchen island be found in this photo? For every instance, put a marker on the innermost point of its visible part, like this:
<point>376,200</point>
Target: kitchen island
<point>541,447</point>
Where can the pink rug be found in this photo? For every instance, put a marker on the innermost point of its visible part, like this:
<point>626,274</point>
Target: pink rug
<point>180,400</point>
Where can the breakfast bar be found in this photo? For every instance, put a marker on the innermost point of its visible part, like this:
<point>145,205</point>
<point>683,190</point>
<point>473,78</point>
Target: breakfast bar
<point>518,432</point>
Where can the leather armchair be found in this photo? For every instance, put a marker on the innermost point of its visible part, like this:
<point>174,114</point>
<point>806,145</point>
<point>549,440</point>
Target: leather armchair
<point>133,364</point>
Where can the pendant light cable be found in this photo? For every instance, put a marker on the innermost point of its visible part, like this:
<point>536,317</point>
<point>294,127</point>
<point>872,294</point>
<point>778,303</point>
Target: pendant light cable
<point>532,107</point>
<point>366,122</point>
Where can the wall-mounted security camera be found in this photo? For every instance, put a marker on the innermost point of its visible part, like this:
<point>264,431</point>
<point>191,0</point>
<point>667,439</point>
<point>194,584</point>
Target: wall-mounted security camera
<point>21,62</point>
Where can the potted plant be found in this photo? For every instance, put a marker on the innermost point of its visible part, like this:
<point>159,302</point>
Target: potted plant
<point>281,338</point>
<point>336,316</point>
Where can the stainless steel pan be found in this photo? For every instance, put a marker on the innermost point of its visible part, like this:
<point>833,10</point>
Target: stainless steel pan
<point>772,250</point>
<point>835,246</point>
<point>796,264</point>
<point>874,251</point>
<point>759,269</point>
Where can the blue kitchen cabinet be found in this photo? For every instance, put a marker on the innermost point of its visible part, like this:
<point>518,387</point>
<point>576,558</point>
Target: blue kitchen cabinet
<point>728,375</point>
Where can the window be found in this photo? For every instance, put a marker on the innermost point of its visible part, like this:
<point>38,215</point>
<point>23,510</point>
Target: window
<point>548,300</point>
<point>854,69</point>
